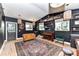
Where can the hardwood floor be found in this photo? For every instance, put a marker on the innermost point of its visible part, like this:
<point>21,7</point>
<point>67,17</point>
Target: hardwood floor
<point>10,50</point>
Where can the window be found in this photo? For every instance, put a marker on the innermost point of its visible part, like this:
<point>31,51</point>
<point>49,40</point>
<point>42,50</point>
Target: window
<point>29,26</point>
<point>61,25</point>
<point>41,26</point>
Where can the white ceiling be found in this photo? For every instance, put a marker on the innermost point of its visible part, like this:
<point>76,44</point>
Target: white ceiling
<point>27,11</point>
<point>72,6</point>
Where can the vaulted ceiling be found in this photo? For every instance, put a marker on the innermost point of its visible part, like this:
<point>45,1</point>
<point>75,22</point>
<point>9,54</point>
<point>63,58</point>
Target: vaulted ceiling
<point>27,11</point>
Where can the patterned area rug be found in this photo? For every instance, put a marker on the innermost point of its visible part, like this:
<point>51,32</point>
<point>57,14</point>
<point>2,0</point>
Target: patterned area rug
<point>37,48</point>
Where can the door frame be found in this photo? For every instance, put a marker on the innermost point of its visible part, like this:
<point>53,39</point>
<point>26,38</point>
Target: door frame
<point>6,28</point>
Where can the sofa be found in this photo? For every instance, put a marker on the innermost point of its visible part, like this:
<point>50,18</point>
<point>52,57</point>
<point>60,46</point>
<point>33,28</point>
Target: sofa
<point>29,36</point>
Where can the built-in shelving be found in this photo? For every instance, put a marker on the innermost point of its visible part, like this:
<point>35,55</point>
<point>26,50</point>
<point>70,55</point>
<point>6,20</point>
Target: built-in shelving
<point>68,15</point>
<point>74,25</point>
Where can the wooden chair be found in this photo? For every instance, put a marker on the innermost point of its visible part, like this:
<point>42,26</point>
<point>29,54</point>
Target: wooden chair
<point>29,36</point>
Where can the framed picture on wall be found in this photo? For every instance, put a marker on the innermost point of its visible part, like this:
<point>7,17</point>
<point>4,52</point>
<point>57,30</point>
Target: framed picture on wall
<point>67,15</point>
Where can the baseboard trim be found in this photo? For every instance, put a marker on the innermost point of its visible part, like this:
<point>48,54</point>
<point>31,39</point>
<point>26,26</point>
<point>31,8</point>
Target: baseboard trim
<point>4,43</point>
